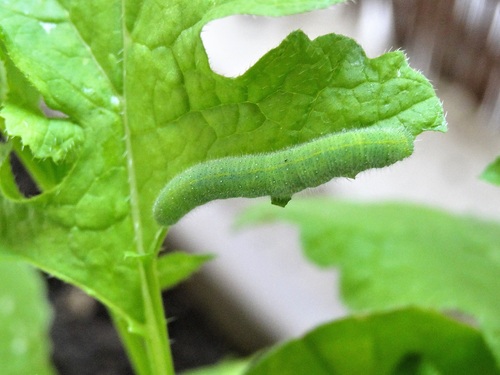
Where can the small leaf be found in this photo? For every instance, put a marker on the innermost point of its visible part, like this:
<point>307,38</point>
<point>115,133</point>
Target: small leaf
<point>383,344</point>
<point>226,367</point>
<point>25,316</point>
<point>47,138</point>
<point>8,185</point>
<point>5,149</point>
<point>492,173</point>
<point>176,267</point>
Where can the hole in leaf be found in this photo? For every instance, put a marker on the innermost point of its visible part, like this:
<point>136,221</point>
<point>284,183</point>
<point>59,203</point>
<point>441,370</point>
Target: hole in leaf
<point>235,43</point>
<point>25,183</point>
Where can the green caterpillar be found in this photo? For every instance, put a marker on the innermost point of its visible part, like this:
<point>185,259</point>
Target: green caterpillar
<point>282,173</point>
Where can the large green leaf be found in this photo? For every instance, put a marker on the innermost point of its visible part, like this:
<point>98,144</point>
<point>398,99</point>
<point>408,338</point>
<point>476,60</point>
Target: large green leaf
<point>397,254</point>
<point>405,342</point>
<point>140,104</point>
<point>25,316</point>
<point>395,343</point>
<point>134,77</point>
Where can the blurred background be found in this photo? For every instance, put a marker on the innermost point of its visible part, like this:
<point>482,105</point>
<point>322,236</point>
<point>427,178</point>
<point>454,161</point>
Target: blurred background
<point>260,289</point>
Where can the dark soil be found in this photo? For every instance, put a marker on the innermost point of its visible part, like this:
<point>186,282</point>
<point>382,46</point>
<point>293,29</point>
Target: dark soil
<point>86,343</point>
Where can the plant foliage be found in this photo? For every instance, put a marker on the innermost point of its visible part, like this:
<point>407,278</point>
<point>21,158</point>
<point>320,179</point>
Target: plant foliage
<point>136,104</point>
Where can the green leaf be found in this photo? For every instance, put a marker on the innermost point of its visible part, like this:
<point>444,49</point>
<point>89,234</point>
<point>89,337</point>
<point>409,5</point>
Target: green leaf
<point>134,76</point>
<point>5,149</point>
<point>226,367</point>
<point>176,267</point>
<point>409,341</point>
<point>54,138</point>
<point>47,138</point>
<point>394,254</point>
<point>25,315</point>
<point>492,173</point>
<point>7,182</point>
<point>140,101</point>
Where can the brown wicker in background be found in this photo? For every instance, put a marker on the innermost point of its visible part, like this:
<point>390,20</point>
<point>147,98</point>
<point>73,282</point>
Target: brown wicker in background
<point>458,40</point>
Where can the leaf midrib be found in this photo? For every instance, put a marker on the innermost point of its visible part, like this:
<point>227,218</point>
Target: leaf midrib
<point>132,179</point>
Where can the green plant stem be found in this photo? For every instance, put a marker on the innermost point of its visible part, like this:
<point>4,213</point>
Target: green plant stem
<point>157,348</point>
<point>155,330</point>
<point>134,345</point>
<point>148,346</point>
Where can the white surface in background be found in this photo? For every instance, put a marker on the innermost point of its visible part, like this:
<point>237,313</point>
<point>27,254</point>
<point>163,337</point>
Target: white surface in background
<point>235,43</point>
<point>262,269</point>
